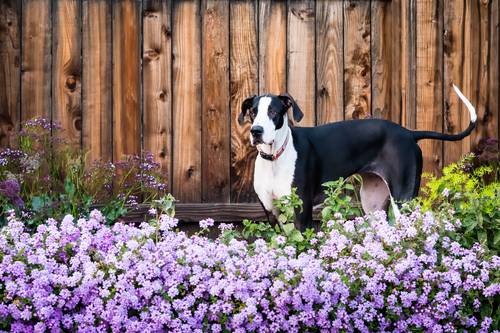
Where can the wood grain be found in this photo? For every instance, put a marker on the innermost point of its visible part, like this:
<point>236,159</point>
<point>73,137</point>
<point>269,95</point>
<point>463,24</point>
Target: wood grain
<point>126,79</point>
<point>406,61</point>
<point>66,70</point>
<point>36,59</point>
<point>157,64</point>
<point>301,78</point>
<point>186,102</point>
<point>456,116</point>
<point>215,102</point>
<point>220,212</point>
<point>10,52</point>
<point>381,60</point>
<point>272,46</point>
<point>329,62</point>
<point>494,72</point>
<point>97,80</point>
<point>429,81</point>
<point>357,61</point>
<point>244,83</point>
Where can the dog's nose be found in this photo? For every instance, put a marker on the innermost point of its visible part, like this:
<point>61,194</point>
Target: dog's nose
<point>257,130</point>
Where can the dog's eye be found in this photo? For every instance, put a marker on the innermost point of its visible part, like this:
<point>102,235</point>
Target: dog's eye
<point>271,113</point>
<point>253,112</point>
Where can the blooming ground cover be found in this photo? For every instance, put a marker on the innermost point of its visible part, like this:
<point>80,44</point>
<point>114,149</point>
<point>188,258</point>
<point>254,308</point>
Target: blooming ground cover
<point>66,267</point>
<point>362,275</point>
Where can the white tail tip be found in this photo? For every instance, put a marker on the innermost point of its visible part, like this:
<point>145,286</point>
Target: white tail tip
<point>468,104</point>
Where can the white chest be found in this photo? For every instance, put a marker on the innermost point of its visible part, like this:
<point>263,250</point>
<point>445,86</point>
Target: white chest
<point>273,180</point>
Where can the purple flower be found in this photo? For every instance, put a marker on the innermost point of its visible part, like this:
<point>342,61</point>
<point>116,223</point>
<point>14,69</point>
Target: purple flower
<point>207,223</point>
<point>82,273</point>
<point>10,189</point>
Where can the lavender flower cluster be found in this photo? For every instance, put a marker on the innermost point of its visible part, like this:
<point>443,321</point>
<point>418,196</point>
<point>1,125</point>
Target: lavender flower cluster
<point>360,275</point>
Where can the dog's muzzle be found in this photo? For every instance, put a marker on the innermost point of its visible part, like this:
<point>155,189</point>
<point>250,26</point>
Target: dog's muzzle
<point>257,132</point>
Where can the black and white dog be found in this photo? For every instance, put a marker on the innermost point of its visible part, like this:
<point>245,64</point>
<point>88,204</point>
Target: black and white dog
<point>385,154</point>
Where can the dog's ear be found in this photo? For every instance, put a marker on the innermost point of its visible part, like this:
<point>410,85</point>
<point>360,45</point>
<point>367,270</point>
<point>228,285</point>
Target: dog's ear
<point>245,106</point>
<point>290,102</point>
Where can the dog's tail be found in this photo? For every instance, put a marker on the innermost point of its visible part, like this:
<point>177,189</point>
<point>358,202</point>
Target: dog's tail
<point>418,135</point>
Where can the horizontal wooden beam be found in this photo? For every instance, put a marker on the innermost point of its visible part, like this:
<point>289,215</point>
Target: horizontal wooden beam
<point>220,212</point>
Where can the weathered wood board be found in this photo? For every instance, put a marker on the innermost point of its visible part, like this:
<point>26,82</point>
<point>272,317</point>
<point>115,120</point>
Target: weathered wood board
<point>66,70</point>
<point>97,93</point>
<point>157,82</point>
<point>186,109</point>
<point>169,77</point>
<point>243,84</point>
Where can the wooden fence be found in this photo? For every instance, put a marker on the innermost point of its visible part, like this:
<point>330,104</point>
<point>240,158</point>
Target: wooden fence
<point>169,76</point>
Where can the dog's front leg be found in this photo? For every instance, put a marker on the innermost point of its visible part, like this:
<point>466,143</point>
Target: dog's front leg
<point>271,218</point>
<point>303,218</point>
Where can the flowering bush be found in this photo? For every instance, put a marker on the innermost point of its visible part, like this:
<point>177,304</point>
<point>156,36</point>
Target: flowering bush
<point>469,191</point>
<point>358,275</point>
<point>43,177</point>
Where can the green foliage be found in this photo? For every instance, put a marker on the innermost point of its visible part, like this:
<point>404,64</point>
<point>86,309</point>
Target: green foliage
<point>287,205</point>
<point>54,178</point>
<point>341,199</point>
<point>165,205</point>
<point>282,234</point>
<point>258,230</point>
<point>470,195</point>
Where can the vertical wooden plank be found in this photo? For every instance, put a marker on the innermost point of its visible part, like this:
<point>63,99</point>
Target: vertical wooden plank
<point>36,59</point>
<point>157,64</point>
<point>329,62</point>
<point>66,70</point>
<point>357,63</point>
<point>244,83</point>
<point>406,61</point>
<point>272,46</point>
<point>126,79</point>
<point>381,59</point>
<point>301,59</point>
<point>186,101</point>
<point>494,71</point>
<point>10,41</point>
<point>97,80</point>
<point>456,117</point>
<point>429,80</point>
<point>395,76</point>
<point>215,102</point>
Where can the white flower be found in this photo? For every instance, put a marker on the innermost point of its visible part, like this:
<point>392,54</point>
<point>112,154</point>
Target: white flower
<point>280,240</point>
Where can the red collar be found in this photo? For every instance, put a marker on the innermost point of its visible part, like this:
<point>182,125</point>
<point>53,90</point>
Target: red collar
<point>275,156</point>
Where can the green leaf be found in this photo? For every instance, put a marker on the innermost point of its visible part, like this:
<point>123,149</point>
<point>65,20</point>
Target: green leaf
<point>37,203</point>
<point>288,228</point>
<point>69,187</point>
<point>482,236</point>
<point>296,236</point>
<point>496,239</point>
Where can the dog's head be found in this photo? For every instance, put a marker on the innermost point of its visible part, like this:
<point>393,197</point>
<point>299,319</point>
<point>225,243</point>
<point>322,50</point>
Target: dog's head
<point>268,115</point>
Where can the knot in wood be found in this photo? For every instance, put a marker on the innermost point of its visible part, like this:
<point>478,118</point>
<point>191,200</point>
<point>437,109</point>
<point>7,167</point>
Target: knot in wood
<point>166,31</point>
<point>212,108</point>
<point>163,95</point>
<point>323,92</point>
<point>77,123</point>
<point>190,172</point>
<point>151,54</point>
<point>303,14</point>
<point>71,82</point>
